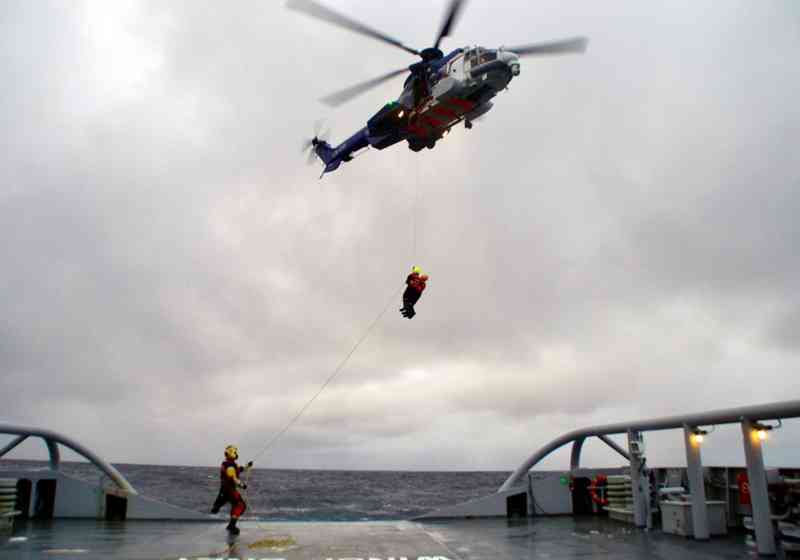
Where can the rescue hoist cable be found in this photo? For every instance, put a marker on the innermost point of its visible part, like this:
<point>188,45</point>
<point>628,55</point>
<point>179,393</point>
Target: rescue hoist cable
<point>414,212</point>
<point>330,378</point>
<point>352,351</point>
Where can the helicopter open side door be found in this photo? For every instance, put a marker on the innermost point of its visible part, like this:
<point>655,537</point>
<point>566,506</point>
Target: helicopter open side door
<point>473,57</point>
<point>455,68</point>
<point>451,78</point>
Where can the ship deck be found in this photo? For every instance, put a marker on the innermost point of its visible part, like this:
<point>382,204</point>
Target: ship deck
<point>468,539</point>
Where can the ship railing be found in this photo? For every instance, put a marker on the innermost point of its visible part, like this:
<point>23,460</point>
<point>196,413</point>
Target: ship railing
<point>754,430</point>
<point>52,440</point>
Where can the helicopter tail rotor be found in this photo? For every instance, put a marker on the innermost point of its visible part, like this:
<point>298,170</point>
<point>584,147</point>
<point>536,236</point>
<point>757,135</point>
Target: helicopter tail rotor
<point>320,139</point>
<point>308,150</point>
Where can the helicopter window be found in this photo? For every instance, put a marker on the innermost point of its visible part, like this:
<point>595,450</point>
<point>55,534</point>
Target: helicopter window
<point>478,56</point>
<point>455,63</point>
<point>472,58</point>
<point>486,56</point>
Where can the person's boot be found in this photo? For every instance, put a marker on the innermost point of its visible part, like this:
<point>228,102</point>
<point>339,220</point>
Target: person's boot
<point>232,528</point>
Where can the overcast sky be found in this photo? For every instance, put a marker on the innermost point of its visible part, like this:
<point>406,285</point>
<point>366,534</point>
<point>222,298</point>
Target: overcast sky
<point>616,239</point>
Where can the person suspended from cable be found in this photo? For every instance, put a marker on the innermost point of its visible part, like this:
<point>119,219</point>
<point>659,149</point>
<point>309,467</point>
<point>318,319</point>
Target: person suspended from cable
<point>415,285</point>
<point>229,487</point>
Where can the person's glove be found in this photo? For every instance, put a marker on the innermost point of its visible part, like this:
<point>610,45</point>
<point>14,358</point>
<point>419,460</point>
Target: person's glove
<point>243,485</point>
<point>249,465</point>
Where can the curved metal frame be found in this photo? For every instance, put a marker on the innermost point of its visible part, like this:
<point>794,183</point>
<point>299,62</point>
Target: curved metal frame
<point>52,440</point>
<point>786,409</point>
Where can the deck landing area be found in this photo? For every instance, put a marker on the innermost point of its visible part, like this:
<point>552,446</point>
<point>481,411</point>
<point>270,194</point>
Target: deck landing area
<point>471,539</point>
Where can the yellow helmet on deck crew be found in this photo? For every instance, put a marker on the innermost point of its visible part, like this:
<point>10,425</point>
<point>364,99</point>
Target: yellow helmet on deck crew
<point>232,452</point>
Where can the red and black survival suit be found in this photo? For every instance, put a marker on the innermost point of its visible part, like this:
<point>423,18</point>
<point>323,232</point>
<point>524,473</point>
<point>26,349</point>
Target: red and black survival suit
<point>229,490</point>
<point>415,285</point>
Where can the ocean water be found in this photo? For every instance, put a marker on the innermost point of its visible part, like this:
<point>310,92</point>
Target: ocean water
<point>304,495</point>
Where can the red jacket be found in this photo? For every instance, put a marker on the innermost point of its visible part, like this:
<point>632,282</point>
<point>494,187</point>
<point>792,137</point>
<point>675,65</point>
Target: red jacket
<point>228,484</point>
<point>416,281</point>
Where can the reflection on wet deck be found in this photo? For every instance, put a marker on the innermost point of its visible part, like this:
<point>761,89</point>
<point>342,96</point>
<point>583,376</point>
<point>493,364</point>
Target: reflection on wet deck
<point>490,539</point>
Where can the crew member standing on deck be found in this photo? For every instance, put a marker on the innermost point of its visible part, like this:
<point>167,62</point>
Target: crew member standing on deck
<point>229,487</point>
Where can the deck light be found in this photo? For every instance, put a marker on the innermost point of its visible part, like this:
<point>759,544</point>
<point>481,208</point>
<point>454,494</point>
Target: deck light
<point>698,435</point>
<point>760,430</point>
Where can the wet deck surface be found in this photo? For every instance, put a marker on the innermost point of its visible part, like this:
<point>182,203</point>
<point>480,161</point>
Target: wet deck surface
<point>489,539</point>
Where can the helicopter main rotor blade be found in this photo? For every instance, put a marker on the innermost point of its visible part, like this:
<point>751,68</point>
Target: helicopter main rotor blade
<point>342,96</point>
<point>564,46</point>
<point>314,9</point>
<point>449,20</point>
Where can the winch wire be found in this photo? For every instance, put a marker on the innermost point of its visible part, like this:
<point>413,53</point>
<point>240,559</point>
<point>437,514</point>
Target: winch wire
<point>330,378</point>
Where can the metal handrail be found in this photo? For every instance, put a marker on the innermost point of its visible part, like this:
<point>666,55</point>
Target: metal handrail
<point>52,439</point>
<point>771,411</point>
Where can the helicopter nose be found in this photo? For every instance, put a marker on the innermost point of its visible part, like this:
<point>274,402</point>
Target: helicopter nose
<point>512,60</point>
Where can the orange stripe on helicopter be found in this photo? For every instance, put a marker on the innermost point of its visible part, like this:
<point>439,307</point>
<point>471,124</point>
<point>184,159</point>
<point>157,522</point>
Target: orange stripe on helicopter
<point>445,111</point>
<point>461,103</point>
<point>436,123</point>
<point>417,130</point>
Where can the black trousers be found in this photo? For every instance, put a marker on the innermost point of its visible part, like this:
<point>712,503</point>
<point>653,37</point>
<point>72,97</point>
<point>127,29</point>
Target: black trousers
<point>410,298</point>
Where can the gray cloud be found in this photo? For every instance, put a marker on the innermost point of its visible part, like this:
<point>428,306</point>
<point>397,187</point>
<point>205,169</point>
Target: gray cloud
<point>614,240</point>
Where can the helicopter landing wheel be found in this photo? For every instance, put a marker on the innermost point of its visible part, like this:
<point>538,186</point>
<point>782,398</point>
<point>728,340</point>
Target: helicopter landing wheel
<point>467,124</point>
<point>430,145</point>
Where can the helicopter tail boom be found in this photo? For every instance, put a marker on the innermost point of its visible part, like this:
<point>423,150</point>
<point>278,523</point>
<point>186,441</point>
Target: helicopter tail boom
<point>333,157</point>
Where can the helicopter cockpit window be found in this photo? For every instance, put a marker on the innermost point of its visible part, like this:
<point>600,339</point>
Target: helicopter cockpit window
<point>486,56</point>
<point>472,57</point>
<point>477,56</point>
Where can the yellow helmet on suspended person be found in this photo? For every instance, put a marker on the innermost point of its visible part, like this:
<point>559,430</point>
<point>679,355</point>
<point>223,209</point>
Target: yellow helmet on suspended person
<point>416,269</point>
<point>231,452</point>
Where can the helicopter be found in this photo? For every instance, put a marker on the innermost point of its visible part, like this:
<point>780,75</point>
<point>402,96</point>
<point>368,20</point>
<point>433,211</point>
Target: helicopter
<point>439,92</point>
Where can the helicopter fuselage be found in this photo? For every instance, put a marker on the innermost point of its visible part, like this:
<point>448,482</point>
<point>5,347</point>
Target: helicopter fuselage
<point>437,95</point>
<point>440,91</point>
